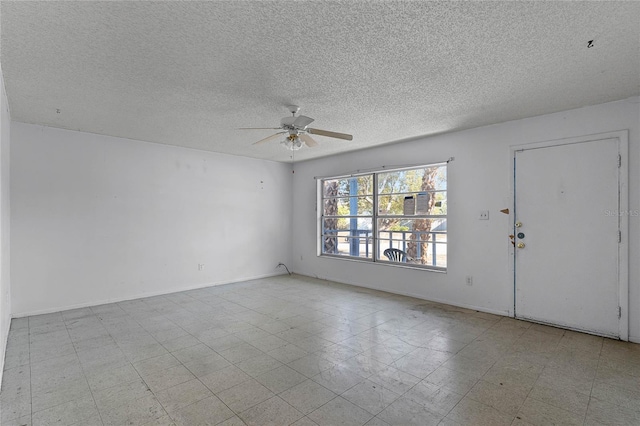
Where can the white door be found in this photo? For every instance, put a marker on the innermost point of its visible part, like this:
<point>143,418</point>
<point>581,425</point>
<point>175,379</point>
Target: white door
<point>567,235</point>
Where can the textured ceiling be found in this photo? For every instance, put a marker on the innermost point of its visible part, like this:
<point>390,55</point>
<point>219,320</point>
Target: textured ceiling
<point>191,73</point>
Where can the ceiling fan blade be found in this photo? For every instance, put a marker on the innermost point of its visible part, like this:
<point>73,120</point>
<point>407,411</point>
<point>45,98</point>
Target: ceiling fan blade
<point>259,128</point>
<point>330,134</point>
<point>302,121</point>
<point>308,140</point>
<point>268,138</point>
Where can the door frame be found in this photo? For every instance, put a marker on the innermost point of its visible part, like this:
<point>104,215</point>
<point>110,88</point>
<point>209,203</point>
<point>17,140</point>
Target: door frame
<point>623,219</point>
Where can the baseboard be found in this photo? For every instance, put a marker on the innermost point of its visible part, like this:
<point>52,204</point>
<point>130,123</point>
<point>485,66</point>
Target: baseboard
<point>417,296</point>
<point>142,296</point>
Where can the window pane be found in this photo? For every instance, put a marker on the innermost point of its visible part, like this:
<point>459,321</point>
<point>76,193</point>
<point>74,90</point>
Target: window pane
<point>440,203</point>
<point>362,206</point>
<point>422,240</point>
<point>400,181</point>
<point>429,203</point>
<point>348,237</point>
<point>361,185</point>
<point>361,225</point>
<point>414,180</point>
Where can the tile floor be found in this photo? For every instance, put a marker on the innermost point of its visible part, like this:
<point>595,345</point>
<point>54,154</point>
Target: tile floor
<point>294,350</point>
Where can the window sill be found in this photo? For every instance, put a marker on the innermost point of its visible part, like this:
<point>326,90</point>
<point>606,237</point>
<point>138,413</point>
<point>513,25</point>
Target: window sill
<point>386,263</point>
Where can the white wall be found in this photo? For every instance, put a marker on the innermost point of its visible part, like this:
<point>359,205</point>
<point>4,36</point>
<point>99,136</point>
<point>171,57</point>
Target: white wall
<point>97,218</point>
<point>478,179</point>
<point>5,290</point>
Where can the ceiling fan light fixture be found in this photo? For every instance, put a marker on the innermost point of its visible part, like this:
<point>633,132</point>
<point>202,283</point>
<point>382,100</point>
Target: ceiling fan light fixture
<point>292,143</point>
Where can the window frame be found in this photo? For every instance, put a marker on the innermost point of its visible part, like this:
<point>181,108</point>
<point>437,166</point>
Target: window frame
<point>376,255</point>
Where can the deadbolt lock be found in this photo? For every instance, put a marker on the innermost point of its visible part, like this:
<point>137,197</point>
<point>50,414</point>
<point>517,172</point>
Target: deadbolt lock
<point>520,245</point>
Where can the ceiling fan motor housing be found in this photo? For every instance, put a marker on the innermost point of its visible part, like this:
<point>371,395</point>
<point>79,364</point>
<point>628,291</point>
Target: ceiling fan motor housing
<point>287,122</point>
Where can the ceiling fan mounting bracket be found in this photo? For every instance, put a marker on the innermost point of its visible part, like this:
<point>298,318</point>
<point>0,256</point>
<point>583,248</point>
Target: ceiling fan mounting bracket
<point>293,109</point>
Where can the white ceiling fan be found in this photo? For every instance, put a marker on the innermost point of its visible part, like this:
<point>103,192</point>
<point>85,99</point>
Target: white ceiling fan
<point>297,132</point>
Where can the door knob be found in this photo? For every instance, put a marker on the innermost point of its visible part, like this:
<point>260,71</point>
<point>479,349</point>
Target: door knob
<point>520,245</point>
<point>518,224</point>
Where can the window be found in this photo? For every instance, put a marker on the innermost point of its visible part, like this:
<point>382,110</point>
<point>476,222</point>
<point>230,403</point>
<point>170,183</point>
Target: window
<point>405,209</point>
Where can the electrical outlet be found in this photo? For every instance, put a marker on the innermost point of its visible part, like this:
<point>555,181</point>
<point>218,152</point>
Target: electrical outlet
<point>469,280</point>
<point>484,215</point>
<point>200,266</point>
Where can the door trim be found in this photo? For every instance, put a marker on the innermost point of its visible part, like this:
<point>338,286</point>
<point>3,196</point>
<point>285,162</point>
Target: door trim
<point>623,219</point>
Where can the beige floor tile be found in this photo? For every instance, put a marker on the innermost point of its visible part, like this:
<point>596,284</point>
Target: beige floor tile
<point>555,379</point>
<point>241,353</point>
<point>193,352</point>
<point>506,399</point>
<point>20,421</point>
<point>470,412</point>
<point>162,421</point>
<point>112,398</point>
<point>179,396</point>
<point>14,403</point>
<point>67,413</point>
<point>444,344</point>
<point>513,378</point>
<point>404,411</point>
<point>152,365</point>
<point>338,353</point>
<point>307,396</point>
<point>224,378</point>
<point>259,365</point>
<point>268,343</point>
<point>364,365</point>
<point>395,380</point>
<point>339,411</point>
<point>337,379</point>
<point>575,367</point>
<point>182,342</point>
<point>624,351</point>
<point>438,400</point>
<point>561,397</point>
<point>421,362</point>
<point>245,395</point>
<point>311,365</point>
<point>287,353</point>
<point>203,366</point>
<point>64,392</point>
<point>107,378</point>
<point>541,413</point>
<point>475,367</point>
<point>208,411</point>
<point>233,421</point>
<point>617,395</point>
<point>376,421</point>
<point>370,396</point>
<point>167,378</point>
<point>272,412</point>
<point>134,412</point>
<point>452,380</point>
<point>281,379</point>
<point>383,354</point>
<point>305,421</point>
<point>604,413</point>
<point>486,349</point>
<point>223,343</point>
<point>313,344</point>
